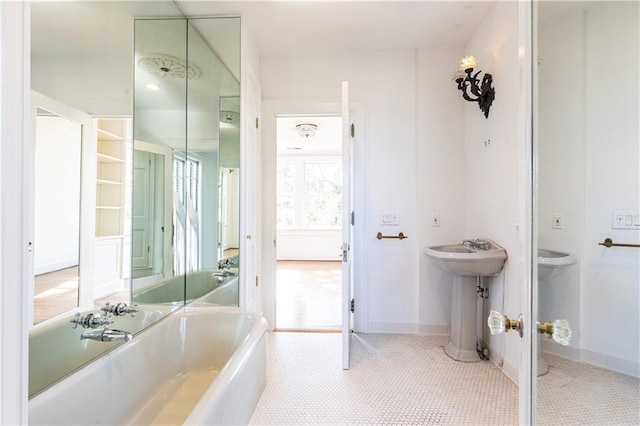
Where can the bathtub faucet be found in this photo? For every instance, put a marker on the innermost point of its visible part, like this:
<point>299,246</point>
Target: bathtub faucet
<point>91,320</point>
<point>476,244</point>
<point>106,335</point>
<point>120,309</point>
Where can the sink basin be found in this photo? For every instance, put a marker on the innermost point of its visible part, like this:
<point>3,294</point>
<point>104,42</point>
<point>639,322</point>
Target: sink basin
<point>467,261</point>
<point>552,262</point>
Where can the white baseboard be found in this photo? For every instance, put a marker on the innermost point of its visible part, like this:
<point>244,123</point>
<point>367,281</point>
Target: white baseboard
<point>393,327</point>
<point>434,329</point>
<point>55,266</point>
<point>106,289</point>
<point>619,365</point>
<point>409,328</point>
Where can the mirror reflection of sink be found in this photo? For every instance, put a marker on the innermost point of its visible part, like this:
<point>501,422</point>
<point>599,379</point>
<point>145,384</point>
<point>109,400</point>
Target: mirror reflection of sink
<point>551,262</point>
<point>468,261</point>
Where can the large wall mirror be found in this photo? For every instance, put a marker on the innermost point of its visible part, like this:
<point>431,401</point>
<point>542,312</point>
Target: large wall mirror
<point>127,177</point>
<point>185,197</point>
<point>588,165</point>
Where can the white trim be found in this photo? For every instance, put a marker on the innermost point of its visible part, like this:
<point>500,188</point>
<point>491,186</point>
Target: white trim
<point>527,372</point>
<point>434,329</point>
<point>393,327</point>
<point>88,170</point>
<point>271,109</point>
<point>609,362</point>
<point>15,127</point>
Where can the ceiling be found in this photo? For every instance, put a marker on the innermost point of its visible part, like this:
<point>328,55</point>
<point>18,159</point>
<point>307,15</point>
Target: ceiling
<point>290,27</point>
<point>326,141</point>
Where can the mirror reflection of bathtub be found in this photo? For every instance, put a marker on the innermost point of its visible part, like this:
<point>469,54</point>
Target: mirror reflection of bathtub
<point>212,370</point>
<point>215,287</point>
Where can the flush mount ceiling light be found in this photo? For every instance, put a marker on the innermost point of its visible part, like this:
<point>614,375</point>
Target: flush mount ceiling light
<point>229,117</point>
<point>472,89</point>
<point>167,67</point>
<point>306,130</point>
<point>152,86</point>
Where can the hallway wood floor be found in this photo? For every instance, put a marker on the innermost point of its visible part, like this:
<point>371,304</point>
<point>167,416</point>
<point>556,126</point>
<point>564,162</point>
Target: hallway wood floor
<point>309,295</point>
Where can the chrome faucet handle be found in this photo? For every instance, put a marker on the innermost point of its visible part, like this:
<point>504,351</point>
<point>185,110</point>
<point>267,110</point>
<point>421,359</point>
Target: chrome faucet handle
<point>120,309</point>
<point>107,335</point>
<point>91,320</point>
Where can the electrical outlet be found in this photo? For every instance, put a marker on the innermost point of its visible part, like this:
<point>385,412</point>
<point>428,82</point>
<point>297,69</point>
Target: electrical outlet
<point>556,222</point>
<point>435,221</point>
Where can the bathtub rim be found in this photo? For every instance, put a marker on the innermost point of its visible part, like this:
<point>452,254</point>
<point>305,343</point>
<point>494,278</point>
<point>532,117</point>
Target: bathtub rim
<point>241,356</point>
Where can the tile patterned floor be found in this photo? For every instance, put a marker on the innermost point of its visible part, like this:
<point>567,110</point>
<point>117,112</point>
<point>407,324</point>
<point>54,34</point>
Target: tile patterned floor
<point>407,379</point>
<point>577,393</point>
<point>393,379</point>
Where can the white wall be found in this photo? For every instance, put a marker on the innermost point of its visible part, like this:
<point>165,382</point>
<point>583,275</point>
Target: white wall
<point>493,163</point>
<point>441,178</point>
<point>589,163</point>
<point>309,244</point>
<point>57,187</point>
<point>384,84</point>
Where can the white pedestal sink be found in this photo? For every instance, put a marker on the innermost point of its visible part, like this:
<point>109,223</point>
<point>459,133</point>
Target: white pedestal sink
<point>550,263</point>
<point>466,263</point>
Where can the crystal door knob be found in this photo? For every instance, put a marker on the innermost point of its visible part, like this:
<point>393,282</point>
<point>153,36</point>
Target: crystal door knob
<point>496,322</point>
<point>557,330</point>
<point>499,323</point>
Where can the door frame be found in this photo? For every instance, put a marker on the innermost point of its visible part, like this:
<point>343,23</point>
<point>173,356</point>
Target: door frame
<point>527,392</point>
<point>271,109</point>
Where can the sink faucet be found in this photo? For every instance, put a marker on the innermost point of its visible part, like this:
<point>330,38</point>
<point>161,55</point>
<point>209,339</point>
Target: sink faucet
<point>477,244</point>
<point>106,335</point>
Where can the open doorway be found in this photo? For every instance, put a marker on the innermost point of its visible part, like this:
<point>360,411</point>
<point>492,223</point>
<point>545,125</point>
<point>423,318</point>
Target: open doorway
<point>309,223</point>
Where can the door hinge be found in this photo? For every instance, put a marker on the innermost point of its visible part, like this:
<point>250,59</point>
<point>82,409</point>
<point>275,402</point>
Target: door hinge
<point>353,305</point>
<point>353,130</point>
<point>257,122</point>
<point>257,281</point>
<point>345,252</point>
<point>353,218</point>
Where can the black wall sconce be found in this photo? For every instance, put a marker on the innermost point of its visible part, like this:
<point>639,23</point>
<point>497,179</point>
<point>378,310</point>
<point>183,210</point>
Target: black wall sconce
<point>473,90</point>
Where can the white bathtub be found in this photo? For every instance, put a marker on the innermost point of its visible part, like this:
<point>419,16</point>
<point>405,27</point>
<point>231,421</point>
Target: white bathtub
<point>201,365</point>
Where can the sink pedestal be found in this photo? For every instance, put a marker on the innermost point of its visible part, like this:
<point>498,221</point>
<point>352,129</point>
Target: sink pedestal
<point>543,367</point>
<point>462,346</point>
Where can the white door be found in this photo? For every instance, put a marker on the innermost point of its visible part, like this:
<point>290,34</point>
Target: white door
<point>249,152</point>
<point>142,210</point>
<point>347,226</point>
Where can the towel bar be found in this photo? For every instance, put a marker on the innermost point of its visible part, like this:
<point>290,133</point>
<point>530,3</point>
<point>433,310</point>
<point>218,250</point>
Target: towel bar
<point>608,242</point>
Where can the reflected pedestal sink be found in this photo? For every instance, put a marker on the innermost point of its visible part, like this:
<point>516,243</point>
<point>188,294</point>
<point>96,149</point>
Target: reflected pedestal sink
<point>466,263</point>
<point>550,263</point>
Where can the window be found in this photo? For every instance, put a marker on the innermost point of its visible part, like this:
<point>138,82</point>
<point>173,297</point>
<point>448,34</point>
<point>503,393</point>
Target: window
<point>186,221</point>
<point>309,193</point>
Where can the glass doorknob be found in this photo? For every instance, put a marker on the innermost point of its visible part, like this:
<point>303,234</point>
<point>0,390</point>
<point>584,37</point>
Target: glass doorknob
<point>557,330</point>
<point>499,323</point>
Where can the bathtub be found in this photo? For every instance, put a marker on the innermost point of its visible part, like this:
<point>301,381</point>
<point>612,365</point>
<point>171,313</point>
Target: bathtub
<point>200,365</point>
<point>55,348</point>
<point>199,284</point>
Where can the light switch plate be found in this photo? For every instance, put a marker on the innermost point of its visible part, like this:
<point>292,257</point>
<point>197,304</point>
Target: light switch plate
<point>625,220</point>
<point>389,218</point>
